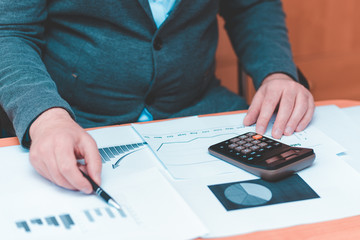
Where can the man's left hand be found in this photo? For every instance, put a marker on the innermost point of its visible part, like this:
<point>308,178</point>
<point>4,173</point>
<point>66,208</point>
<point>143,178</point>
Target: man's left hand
<point>293,102</point>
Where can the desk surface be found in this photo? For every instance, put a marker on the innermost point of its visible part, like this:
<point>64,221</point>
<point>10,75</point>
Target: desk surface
<point>347,228</point>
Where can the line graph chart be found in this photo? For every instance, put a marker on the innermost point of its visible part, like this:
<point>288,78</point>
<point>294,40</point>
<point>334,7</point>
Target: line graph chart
<point>185,153</point>
<point>197,136</point>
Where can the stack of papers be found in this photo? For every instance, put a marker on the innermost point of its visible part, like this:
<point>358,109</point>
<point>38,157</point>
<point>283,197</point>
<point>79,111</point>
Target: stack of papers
<point>172,188</point>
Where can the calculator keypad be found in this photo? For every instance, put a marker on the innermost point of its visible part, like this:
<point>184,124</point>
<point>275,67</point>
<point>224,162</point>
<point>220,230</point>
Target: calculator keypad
<point>250,147</point>
<point>254,146</point>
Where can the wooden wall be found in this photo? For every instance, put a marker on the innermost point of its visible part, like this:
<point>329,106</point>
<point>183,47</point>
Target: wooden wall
<point>325,39</point>
<point>226,61</point>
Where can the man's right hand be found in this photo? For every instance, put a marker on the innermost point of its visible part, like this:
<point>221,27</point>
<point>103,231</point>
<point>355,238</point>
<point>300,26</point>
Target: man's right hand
<point>57,143</point>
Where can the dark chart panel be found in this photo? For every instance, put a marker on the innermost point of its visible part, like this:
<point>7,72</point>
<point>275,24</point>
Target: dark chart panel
<point>119,152</point>
<point>256,193</point>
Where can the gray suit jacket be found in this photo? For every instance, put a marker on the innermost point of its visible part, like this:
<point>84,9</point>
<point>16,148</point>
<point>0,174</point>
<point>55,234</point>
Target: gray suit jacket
<point>104,61</point>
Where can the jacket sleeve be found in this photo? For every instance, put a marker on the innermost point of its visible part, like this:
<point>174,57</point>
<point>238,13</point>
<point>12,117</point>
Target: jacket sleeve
<point>258,34</point>
<point>26,88</point>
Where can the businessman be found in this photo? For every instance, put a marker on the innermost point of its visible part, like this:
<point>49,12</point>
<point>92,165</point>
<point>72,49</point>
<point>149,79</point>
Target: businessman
<point>67,65</point>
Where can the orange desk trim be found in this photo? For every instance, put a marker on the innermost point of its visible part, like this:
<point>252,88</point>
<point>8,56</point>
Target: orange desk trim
<point>4,142</point>
<point>341,229</point>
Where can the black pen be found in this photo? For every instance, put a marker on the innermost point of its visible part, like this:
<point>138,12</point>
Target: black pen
<point>101,193</point>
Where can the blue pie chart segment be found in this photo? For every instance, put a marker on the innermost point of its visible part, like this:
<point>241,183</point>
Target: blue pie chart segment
<point>248,194</point>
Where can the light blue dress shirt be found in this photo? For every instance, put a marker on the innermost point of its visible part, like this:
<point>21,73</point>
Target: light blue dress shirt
<point>160,10</point>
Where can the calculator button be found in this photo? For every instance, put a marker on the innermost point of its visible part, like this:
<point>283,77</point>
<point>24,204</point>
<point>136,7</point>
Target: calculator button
<point>239,148</point>
<point>246,151</point>
<point>256,141</point>
<point>261,150</point>
<point>248,145</point>
<point>257,137</point>
<point>262,144</point>
<point>276,144</point>
<point>232,146</point>
<point>254,147</point>
<point>253,153</point>
<point>234,140</point>
<point>250,158</point>
<point>269,147</point>
<point>248,139</point>
<point>242,136</point>
<point>241,142</point>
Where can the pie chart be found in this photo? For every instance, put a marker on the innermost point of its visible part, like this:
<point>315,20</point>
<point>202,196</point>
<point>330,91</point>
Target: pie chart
<point>248,194</point>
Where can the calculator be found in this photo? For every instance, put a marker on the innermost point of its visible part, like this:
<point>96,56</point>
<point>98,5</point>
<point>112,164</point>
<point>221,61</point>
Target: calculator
<point>262,156</point>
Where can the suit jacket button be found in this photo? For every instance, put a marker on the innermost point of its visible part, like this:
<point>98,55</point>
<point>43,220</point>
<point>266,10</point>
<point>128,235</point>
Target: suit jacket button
<point>157,43</point>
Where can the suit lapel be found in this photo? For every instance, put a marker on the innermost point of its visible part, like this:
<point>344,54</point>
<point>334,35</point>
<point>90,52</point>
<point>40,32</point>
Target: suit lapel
<point>176,8</point>
<point>145,5</point>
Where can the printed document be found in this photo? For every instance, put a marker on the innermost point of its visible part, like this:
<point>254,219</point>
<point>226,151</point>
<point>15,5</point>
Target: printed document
<point>171,188</point>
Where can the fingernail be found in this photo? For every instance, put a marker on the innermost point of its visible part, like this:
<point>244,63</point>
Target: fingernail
<point>260,130</point>
<point>300,127</point>
<point>288,131</point>
<point>245,121</point>
<point>86,190</point>
<point>277,133</point>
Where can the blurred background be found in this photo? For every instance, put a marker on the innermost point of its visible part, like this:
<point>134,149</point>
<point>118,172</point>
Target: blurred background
<point>325,39</point>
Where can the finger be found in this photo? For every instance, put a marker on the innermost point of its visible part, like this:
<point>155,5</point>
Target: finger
<point>55,173</point>
<point>254,110</point>
<point>44,163</point>
<point>300,109</point>
<point>267,110</point>
<point>92,159</point>
<point>286,107</point>
<point>307,117</point>
<point>68,169</point>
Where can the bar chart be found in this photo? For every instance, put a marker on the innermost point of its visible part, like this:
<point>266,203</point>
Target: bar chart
<point>68,221</point>
<point>118,153</point>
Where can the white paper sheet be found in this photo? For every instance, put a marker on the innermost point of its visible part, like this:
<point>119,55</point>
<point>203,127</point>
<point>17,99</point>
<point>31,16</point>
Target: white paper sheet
<point>33,208</point>
<point>353,113</point>
<point>182,144</point>
<point>331,178</point>
<point>160,213</point>
<point>341,125</point>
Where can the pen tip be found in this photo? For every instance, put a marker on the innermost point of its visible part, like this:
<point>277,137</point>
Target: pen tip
<point>114,204</point>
